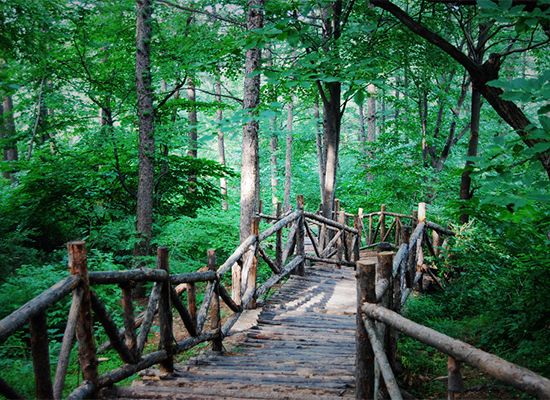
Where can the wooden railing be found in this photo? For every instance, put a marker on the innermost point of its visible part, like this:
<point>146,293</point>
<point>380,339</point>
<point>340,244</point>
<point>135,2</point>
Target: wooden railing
<point>344,242</point>
<point>382,288</point>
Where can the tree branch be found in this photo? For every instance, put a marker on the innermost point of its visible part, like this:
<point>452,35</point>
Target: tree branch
<point>193,10</point>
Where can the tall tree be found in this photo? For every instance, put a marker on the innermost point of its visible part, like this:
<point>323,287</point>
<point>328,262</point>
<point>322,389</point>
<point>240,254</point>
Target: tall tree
<point>288,159</point>
<point>146,118</point>
<point>249,159</point>
<point>221,145</point>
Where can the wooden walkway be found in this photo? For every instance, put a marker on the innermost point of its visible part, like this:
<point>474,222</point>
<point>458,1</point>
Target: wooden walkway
<point>303,347</point>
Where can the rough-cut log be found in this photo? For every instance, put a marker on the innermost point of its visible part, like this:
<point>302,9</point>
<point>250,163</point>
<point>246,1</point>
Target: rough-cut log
<point>400,257</point>
<point>192,277</point>
<point>290,242</point>
<point>215,319</point>
<point>235,256</point>
<point>134,275</point>
<point>126,371</point>
<point>279,225</point>
<point>330,261</point>
<point>192,302</point>
<point>279,240</point>
<point>83,391</point>
<point>229,323</point>
<point>330,245</point>
<point>8,392</point>
<point>511,374</point>
<point>270,263</point>
<point>148,318</point>
<point>226,297</point>
<point>165,312</point>
<point>128,314</point>
<point>381,359</point>
<point>201,317</point>
<point>66,345</point>
<point>38,329</point>
<point>364,362</point>
<point>19,317</point>
<point>454,384</point>
<point>440,229</point>
<point>313,240</point>
<point>185,317</point>
<point>186,344</point>
<point>87,355</point>
<point>276,278</point>
<point>429,244</point>
<point>300,233</point>
<point>111,329</point>
<point>329,222</point>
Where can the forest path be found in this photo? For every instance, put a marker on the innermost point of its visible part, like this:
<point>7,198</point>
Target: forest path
<point>301,347</point>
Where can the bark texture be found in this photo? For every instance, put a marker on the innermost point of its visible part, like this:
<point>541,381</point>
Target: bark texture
<point>221,145</point>
<point>146,129</point>
<point>288,159</point>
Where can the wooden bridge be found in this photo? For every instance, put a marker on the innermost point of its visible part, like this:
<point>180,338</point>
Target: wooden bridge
<point>317,336</point>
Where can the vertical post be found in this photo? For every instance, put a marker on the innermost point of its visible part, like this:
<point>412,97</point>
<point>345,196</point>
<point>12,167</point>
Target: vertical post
<point>129,316</point>
<point>357,243</point>
<point>336,209</point>
<point>382,222</point>
<point>436,241</point>
<point>215,319</point>
<point>279,240</point>
<point>421,212</point>
<point>340,242</point>
<point>300,251</point>
<point>347,240</point>
<point>254,268</point>
<point>454,372</point>
<point>419,250</point>
<point>165,312</point>
<point>260,206</point>
<point>398,228</point>
<point>87,355</point>
<point>384,270</point>
<point>405,238</point>
<point>192,301</point>
<point>414,221</point>
<point>38,327</point>
<point>370,238</point>
<point>360,226</point>
<point>364,361</point>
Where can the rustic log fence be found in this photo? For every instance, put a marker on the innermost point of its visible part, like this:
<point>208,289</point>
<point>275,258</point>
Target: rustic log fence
<point>130,342</point>
<point>382,288</point>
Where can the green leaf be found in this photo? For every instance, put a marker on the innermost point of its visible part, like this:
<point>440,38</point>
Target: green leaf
<point>359,97</point>
<point>293,38</point>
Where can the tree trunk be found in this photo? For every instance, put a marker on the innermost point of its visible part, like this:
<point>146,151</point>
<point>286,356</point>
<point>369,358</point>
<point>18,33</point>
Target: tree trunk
<point>249,160</point>
<point>193,145</point>
<point>273,149</point>
<point>362,136</point>
<point>221,146</point>
<point>319,146</point>
<point>288,159</point>
<point>371,123</point>
<point>331,94</point>
<point>466,193</point>
<point>8,133</point>
<point>146,130</point>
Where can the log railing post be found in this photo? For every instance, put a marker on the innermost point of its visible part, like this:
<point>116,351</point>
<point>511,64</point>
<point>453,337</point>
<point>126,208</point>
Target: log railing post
<point>252,274</point>
<point>370,239</point>
<point>87,354</point>
<point>436,241</point>
<point>38,327</point>
<point>454,373</point>
<point>364,361</point>
<point>192,302</point>
<point>279,240</point>
<point>300,233</point>
<point>215,319</point>
<point>419,249</point>
<point>384,269</point>
<point>341,239</point>
<point>129,316</point>
<point>357,242</point>
<point>165,312</point>
<point>382,222</point>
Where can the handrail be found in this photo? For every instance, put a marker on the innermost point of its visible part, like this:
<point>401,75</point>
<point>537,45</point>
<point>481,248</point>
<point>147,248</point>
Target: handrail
<point>511,374</point>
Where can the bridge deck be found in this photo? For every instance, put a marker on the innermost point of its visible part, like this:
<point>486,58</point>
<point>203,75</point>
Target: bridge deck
<point>302,347</point>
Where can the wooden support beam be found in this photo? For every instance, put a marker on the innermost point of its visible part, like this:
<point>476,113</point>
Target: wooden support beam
<point>184,314</point>
<point>148,317</point>
<point>300,233</point>
<point>454,383</point>
<point>215,318</point>
<point>128,314</point>
<point>165,313</point>
<point>87,355</point>
<point>364,362</point>
<point>38,329</point>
